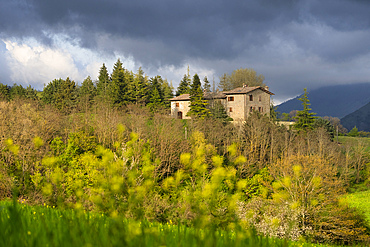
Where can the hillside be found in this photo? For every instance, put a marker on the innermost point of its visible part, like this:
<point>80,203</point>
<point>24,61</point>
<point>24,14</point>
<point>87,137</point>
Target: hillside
<point>359,118</point>
<point>336,101</point>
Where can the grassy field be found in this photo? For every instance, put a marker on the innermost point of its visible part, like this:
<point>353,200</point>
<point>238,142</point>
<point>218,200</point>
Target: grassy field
<point>361,201</point>
<point>22,225</point>
<point>354,141</point>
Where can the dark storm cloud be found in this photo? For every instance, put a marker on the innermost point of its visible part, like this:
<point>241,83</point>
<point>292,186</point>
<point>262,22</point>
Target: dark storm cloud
<point>286,40</point>
<point>208,29</point>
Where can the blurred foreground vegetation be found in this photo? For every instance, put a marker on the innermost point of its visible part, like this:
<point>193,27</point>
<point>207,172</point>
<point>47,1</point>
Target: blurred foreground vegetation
<point>136,163</point>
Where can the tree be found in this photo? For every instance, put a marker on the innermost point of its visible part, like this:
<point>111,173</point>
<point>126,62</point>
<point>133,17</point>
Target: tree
<point>304,119</point>
<point>324,123</point>
<point>87,92</point>
<point>198,105</point>
<point>66,95</point>
<point>141,87</point>
<point>167,90</point>
<point>218,111</point>
<point>49,92</point>
<point>240,77</point>
<point>156,93</point>
<point>224,83</point>
<point>103,81</point>
<point>184,86</point>
<point>206,85</point>
<point>118,89</point>
<point>354,132</point>
<point>4,92</point>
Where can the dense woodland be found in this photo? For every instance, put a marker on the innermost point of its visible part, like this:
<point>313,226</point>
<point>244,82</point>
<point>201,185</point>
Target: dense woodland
<point>111,147</point>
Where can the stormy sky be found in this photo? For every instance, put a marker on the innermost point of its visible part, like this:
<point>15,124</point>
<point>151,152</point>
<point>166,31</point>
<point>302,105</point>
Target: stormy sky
<point>294,44</point>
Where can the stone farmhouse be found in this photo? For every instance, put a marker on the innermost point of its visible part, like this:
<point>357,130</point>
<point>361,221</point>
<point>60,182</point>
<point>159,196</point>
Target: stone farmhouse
<point>238,103</point>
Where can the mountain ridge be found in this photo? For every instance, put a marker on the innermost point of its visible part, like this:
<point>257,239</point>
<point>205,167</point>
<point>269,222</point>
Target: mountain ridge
<point>335,101</point>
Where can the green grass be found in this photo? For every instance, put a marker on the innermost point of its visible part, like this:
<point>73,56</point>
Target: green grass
<point>361,201</point>
<point>22,225</point>
<point>353,141</point>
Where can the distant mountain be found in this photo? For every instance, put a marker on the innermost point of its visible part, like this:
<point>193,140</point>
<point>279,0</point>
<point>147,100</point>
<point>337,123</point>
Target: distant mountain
<point>359,118</point>
<point>335,101</point>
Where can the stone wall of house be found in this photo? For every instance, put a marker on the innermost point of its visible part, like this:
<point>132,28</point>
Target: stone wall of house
<point>235,106</point>
<point>178,107</point>
<point>260,102</point>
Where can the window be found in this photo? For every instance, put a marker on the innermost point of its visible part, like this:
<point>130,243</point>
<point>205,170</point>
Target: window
<point>231,98</point>
<point>259,98</point>
<point>251,109</point>
<point>177,104</point>
<point>179,115</point>
<point>259,109</point>
<point>230,109</point>
<point>250,97</point>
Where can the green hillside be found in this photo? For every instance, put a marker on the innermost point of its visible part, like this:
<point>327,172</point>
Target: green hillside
<point>359,118</point>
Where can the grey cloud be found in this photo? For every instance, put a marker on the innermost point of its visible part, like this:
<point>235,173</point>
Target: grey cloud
<point>225,35</point>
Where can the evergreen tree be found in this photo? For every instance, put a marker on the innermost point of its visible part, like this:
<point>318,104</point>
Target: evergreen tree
<point>156,94</point>
<point>17,91</point>
<point>198,105</point>
<point>103,81</point>
<point>218,111</point>
<point>353,132</point>
<point>131,87</point>
<point>87,92</point>
<point>225,84</point>
<point>31,93</point>
<point>66,95</point>
<point>48,95</point>
<point>206,85</point>
<point>167,93</point>
<point>304,119</point>
<point>141,88</point>
<point>4,92</point>
<point>184,86</point>
<point>118,88</point>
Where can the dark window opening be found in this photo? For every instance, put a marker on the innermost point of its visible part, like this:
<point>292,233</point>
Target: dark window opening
<point>177,104</point>
<point>230,98</point>
<point>230,109</point>
<point>179,115</point>
<point>250,97</point>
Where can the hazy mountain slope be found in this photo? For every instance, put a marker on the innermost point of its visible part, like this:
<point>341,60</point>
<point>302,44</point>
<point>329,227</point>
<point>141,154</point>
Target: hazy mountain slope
<point>336,101</point>
<point>359,118</point>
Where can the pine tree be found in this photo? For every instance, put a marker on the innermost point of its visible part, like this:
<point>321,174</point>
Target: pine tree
<point>103,81</point>
<point>224,84</point>
<point>198,105</point>
<point>118,88</point>
<point>87,92</point>
<point>305,119</point>
<point>218,111</point>
<point>184,86</point>
<point>49,92</point>
<point>206,85</point>
<point>141,88</point>
<point>167,92</point>
<point>156,94</point>
<point>4,92</point>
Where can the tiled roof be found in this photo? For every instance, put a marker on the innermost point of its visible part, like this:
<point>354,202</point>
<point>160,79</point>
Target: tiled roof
<point>216,95</point>
<point>181,97</point>
<point>242,90</point>
<point>222,95</point>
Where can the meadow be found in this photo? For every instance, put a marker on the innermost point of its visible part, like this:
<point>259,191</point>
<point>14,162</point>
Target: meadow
<point>23,225</point>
